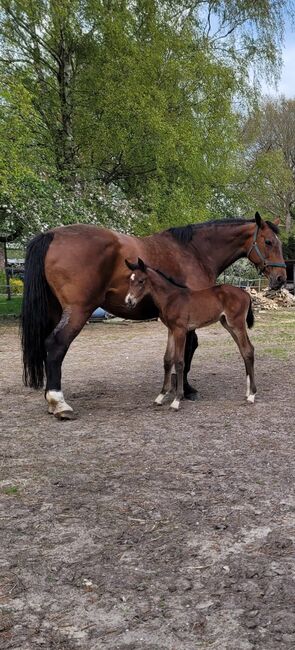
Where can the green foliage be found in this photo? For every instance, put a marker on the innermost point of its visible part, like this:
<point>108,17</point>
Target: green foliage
<point>268,160</point>
<point>121,113</point>
<point>16,286</point>
<point>289,248</point>
<point>265,180</point>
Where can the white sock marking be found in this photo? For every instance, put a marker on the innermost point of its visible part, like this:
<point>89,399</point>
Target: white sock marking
<point>160,399</point>
<point>56,401</point>
<point>175,404</point>
<point>251,398</point>
<point>248,386</point>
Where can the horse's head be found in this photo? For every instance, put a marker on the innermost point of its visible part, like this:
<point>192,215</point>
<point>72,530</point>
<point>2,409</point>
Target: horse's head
<point>137,282</point>
<point>265,252</point>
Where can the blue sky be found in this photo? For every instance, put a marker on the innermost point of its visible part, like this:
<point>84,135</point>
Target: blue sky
<point>286,85</point>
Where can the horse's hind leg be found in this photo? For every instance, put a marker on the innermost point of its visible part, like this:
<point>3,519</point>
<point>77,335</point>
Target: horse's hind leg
<point>168,363</point>
<point>191,345</point>
<point>239,333</point>
<point>57,344</point>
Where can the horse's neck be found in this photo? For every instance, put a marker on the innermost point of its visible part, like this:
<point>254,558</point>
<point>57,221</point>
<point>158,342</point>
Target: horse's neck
<point>161,290</point>
<point>222,245</point>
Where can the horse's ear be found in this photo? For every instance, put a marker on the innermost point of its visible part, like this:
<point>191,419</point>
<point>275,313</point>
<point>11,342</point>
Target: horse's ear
<point>259,220</point>
<point>141,265</point>
<point>131,266</point>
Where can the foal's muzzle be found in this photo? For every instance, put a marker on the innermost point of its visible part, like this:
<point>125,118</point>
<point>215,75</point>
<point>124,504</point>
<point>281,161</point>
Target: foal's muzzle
<point>130,301</point>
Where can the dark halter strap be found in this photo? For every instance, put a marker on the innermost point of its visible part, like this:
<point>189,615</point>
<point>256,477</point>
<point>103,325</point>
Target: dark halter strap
<point>254,246</point>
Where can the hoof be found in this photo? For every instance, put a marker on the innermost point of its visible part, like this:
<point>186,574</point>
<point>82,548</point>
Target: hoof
<point>57,405</point>
<point>251,399</point>
<point>175,405</point>
<point>189,391</point>
<point>191,394</point>
<point>64,415</point>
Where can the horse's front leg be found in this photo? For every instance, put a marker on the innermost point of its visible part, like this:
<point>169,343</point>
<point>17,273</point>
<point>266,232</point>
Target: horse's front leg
<point>168,363</point>
<point>191,345</point>
<point>179,343</point>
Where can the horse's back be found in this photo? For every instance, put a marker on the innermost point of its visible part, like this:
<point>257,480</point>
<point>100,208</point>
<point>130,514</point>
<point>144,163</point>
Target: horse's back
<point>83,233</point>
<point>85,239</point>
<point>80,260</point>
<point>85,265</point>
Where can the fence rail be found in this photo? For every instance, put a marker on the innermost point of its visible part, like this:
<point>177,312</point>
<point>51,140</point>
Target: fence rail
<point>254,283</point>
<point>9,290</point>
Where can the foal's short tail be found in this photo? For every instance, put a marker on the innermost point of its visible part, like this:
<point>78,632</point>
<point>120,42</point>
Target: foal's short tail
<point>34,318</point>
<point>250,316</point>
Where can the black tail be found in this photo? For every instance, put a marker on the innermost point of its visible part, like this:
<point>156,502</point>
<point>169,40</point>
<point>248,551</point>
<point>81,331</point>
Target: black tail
<point>250,316</point>
<point>34,318</point>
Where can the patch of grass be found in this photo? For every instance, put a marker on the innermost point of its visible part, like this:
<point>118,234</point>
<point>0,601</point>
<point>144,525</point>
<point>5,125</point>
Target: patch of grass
<point>277,353</point>
<point>11,490</point>
<point>281,338</point>
<point>10,307</point>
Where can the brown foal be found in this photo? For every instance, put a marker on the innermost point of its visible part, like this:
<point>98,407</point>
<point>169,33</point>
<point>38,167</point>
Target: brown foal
<point>182,309</point>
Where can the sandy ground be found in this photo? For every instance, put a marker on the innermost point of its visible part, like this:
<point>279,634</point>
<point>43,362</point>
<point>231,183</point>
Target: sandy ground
<point>133,527</point>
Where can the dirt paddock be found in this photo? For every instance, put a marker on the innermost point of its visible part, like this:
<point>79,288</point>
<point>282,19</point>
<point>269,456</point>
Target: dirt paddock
<point>133,527</point>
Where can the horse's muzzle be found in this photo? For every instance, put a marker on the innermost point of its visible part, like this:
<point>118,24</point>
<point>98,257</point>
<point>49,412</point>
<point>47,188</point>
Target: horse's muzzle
<point>277,282</point>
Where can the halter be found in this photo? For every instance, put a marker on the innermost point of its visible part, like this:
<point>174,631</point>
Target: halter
<point>265,263</point>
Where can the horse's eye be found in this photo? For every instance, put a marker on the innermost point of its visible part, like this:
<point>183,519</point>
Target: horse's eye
<point>268,242</point>
<point>141,281</point>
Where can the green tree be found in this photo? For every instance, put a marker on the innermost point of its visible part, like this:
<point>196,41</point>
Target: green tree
<point>109,102</point>
<point>269,157</point>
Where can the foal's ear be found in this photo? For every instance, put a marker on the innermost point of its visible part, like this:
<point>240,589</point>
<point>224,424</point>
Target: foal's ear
<point>131,266</point>
<point>259,220</point>
<point>141,265</point>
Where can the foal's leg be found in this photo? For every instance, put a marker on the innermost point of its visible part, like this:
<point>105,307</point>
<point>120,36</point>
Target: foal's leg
<point>57,344</point>
<point>179,342</point>
<point>239,333</point>
<point>168,363</point>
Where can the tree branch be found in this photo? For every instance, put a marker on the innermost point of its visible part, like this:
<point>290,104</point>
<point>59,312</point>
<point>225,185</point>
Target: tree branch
<point>28,28</point>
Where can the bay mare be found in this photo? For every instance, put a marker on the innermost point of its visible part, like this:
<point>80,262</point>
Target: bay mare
<point>182,310</point>
<point>72,270</point>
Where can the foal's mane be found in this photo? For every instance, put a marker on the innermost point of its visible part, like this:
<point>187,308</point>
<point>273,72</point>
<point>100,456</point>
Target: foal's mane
<point>184,234</point>
<point>169,279</point>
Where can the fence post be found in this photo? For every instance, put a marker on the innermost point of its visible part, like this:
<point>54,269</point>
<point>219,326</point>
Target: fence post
<point>6,273</point>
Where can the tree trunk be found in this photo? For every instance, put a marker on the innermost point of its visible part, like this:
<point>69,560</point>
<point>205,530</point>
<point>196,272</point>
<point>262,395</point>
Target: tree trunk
<point>288,221</point>
<point>2,257</point>
<point>65,145</point>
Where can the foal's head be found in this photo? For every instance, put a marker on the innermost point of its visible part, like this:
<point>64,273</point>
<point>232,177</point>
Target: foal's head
<point>139,285</point>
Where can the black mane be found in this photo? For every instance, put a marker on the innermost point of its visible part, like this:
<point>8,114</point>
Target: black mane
<point>171,280</point>
<point>184,234</point>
